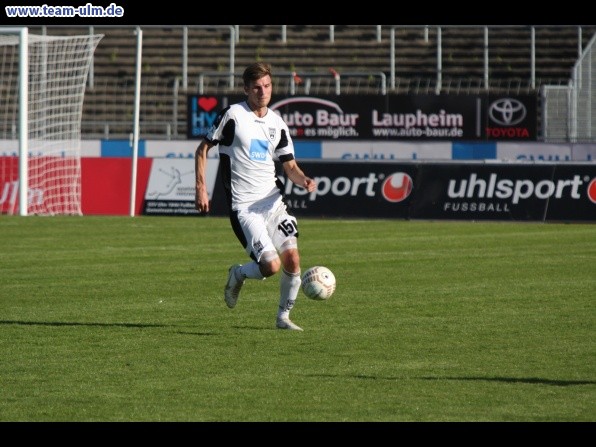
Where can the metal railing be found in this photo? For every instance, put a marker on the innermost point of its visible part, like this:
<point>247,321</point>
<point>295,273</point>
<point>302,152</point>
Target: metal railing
<point>163,115</point>
<point>569,112</point>
<point>290,83</point>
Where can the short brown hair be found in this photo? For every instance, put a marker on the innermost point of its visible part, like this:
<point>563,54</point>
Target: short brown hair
<point>256,71</point>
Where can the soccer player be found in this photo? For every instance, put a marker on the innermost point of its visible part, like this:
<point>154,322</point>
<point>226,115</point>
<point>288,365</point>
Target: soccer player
<point>251,138</point>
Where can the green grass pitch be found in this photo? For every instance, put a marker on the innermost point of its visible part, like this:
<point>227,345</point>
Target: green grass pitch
<point>123,319</point>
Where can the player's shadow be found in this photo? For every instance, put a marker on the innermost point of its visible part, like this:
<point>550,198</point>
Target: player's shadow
<point>528,380</point>
<point>71,323</point>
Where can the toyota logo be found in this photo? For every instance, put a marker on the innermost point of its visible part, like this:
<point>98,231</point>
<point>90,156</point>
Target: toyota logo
<point>507,111</point>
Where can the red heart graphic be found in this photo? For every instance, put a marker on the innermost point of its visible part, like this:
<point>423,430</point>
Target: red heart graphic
<point>207,103</point>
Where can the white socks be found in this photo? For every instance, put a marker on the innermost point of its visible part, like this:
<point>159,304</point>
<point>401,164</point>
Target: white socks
<point>289,285</point>
<point>251,271</point>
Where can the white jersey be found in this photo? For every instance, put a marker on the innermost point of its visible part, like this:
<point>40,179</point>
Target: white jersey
<point>249,146</point>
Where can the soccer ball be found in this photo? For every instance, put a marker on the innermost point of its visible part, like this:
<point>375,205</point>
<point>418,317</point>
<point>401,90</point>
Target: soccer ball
<point>318,283</point>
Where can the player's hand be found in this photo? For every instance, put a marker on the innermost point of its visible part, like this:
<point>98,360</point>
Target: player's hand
<point>309,184</point>
<point>202,202</point>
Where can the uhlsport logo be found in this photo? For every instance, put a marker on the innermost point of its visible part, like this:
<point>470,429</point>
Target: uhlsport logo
<point>592,191</point>
<point>397,187</point>
<point>507,111</point>
<point>497,194</point>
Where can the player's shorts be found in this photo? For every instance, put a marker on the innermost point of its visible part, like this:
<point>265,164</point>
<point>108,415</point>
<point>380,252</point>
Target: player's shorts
<point>265,229</point>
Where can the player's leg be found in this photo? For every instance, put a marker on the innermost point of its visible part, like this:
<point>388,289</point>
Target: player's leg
<point>284,233</point>
<point>251,231</point>
<point>255,239</point>
<point>289,286</point>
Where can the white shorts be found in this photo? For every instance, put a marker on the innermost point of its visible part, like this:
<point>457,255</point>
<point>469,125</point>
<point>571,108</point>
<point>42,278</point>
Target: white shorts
<point>265,229</point>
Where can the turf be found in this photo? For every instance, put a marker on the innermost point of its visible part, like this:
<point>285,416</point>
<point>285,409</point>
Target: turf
<point>121,319</point>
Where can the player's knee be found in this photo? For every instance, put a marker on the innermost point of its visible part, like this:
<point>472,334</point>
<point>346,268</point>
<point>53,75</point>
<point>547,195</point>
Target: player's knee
<point>291,260</point>
<point>270,268</point>
<point>269,264</point>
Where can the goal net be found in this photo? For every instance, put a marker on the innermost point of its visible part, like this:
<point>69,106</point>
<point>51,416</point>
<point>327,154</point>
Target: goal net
<point>40,150</point>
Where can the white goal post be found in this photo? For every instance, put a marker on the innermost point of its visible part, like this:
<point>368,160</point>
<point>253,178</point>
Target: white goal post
<point>40,120</point>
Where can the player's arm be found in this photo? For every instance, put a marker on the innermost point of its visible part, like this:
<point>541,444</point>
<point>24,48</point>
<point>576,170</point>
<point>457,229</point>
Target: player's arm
<point>201,195</point>
<point>298,177</point>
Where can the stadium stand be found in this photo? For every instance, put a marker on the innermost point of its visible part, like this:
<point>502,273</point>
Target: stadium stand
<point>311,51</point>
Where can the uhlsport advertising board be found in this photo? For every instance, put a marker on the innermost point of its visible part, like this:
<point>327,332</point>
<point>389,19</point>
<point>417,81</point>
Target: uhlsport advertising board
<point>360,189</point>
<point>403,190</point>
<point>472,191</point>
